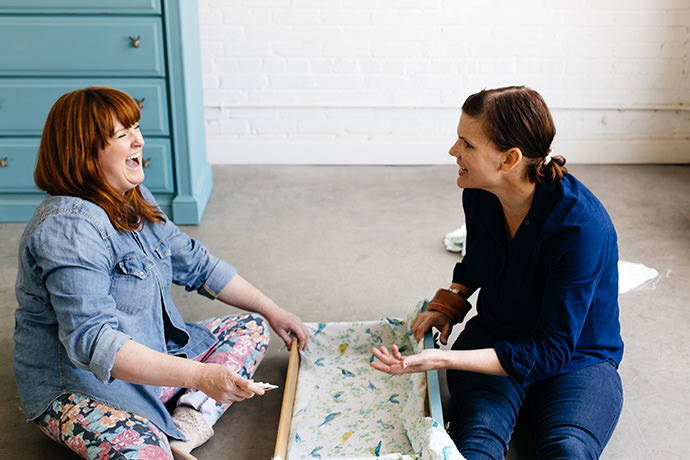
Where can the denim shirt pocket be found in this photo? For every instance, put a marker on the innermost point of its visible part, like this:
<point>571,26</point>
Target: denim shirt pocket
<point>133,286</point>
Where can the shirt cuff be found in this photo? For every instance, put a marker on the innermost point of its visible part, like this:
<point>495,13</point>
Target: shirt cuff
<point>103,359</point>
<point>517,363</point>
<point>221,275</point>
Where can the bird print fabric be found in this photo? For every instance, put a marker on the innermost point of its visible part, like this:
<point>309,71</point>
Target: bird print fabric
<point>345,409</point>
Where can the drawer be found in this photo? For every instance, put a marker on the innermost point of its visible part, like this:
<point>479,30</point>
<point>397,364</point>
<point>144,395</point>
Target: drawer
<point>17,163</point>
<point>82,6</point>
<point>81,46</point>
<point>25,103</point>
<point>18,160</point>
<point>158,168</point>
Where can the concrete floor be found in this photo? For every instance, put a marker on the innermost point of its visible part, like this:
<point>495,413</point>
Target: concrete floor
<point>360,243</point>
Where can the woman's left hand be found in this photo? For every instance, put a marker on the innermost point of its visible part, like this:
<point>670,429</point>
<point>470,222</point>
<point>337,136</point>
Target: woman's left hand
<point>283,323</point>
<point>393,362</point>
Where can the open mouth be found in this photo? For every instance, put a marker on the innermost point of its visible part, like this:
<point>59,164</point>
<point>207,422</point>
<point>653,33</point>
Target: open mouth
<point>133,161</point>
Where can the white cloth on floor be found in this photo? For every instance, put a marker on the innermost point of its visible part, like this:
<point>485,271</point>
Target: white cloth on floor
<point>632,275</point>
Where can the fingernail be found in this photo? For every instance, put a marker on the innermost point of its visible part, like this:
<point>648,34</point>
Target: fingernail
<point>405,364</point>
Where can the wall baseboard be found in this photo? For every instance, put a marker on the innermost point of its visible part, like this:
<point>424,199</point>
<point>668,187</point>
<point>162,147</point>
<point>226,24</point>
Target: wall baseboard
<point>590,151</point>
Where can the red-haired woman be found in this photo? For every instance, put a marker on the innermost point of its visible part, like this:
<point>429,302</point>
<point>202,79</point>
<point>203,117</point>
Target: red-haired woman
<point>100,346</point>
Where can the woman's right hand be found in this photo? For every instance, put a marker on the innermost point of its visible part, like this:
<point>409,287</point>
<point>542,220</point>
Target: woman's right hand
<point>225,385</point>
<point>137,363</point>
<point>393,362</point>
<point>425,321</point>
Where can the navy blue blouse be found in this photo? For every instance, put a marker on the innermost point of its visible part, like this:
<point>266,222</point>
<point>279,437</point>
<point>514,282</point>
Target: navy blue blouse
<point>548,299</point>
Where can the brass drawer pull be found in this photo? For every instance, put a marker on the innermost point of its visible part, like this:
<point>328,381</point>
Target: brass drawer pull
<point>3,162</point>
<point>136,41</point>
<point>146,163</point>
<point>140,102</point>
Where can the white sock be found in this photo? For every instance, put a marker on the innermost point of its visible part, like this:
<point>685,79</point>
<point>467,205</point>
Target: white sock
<point>202,403</point>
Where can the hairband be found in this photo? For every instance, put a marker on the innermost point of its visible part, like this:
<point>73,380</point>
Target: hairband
<point>547,159</point>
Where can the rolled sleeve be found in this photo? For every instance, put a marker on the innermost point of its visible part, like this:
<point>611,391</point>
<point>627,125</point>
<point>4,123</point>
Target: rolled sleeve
<point>536,358</point>
<point>220,276</point>
<point>107,346</point>
<point>519,364</point>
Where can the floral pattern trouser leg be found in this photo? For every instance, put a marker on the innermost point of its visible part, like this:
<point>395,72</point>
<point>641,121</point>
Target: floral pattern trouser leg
<point>97,431</point>
<point>242,343</point>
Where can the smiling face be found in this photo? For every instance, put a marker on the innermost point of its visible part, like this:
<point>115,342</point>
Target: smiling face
<point>120,160</point>
<point>478,158</point>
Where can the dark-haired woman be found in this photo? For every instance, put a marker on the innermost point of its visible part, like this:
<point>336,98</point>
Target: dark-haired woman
<point>542,251</point>
<point>100,346</point>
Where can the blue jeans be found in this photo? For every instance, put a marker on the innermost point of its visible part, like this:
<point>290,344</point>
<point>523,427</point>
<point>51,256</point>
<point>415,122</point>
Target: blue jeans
<point>572,415</point>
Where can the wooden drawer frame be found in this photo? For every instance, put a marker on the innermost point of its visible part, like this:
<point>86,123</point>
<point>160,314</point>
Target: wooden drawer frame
<point>433,397</point>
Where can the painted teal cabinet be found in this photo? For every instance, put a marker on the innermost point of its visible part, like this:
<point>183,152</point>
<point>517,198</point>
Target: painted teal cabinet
<point>147,48</point>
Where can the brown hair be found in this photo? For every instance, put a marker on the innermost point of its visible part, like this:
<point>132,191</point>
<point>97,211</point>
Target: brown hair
<point>78,126</point>
<point>517,116</point>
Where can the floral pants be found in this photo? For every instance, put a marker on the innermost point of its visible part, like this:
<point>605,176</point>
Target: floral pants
<point>96,431</point>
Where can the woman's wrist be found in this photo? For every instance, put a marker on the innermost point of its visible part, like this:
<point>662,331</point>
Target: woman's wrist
<point>451,304</point>
<point>461,290</point>
<point>268,308</point>
<point>194,376</point>
<point>439,359</point>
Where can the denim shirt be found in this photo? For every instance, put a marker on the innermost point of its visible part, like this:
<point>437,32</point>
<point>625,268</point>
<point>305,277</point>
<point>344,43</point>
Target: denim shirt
<point>548,302</point>
<point>85,288</point>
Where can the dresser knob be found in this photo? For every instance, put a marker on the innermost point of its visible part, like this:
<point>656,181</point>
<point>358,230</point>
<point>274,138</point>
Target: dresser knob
<point>136,41</point>
<point>3,162</point>
<point>146,163</point>
<point>140,102</point>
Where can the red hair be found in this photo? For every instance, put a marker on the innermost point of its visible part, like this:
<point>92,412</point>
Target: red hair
<point>78,126</point>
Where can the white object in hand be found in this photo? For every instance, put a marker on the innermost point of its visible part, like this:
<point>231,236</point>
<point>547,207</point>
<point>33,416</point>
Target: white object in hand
<point>267,386</point>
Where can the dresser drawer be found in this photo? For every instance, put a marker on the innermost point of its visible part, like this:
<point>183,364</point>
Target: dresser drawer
<point>25,103</point>
<point>81,6</point>
<point>158,168</point>
<point>18,161</point>
<point>81,46</point>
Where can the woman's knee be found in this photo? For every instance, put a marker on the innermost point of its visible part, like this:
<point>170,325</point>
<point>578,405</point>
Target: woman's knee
<point>576,412</point>
<point>480,437</point>
<point>484,410</point>
<point>261,325</point>
<point>481,424</point>
<point>229,329</point>
<point>567,444</point>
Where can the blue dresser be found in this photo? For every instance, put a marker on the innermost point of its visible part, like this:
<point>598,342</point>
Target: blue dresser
<point>147,48</point>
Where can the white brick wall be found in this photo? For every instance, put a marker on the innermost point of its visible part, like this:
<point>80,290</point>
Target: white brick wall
<point>381,81</point>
